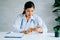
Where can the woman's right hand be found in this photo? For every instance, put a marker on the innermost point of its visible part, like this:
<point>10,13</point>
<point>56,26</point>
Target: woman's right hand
<point>27,31</point>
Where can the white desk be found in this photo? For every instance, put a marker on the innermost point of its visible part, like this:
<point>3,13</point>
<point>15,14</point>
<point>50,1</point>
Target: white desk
<point>31,36</point>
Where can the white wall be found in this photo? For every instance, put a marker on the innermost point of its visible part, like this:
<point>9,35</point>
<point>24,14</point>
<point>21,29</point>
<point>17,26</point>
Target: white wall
<point>9,9</point>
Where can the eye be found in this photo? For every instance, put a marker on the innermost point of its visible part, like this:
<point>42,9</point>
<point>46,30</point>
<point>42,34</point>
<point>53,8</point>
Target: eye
<point>31,10</point>
<point>27,10</point>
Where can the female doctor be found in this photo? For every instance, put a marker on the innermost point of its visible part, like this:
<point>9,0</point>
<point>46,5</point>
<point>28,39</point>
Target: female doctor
<point>28,22</point>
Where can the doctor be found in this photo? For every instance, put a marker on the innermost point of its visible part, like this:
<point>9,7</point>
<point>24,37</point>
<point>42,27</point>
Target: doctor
<point>28,22</point>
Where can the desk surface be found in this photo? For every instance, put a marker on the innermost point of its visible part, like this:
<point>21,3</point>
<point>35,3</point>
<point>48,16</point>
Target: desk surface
<point>31,36</point>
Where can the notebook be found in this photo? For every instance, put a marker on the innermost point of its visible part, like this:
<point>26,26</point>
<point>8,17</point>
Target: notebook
<point>14,35</point>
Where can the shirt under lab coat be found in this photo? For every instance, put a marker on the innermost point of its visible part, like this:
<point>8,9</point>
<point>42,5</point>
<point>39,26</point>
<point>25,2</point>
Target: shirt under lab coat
<point>34,21</point>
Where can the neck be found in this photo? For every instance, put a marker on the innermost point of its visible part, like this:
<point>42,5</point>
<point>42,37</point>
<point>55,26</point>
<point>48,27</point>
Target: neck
<point>27,17</point>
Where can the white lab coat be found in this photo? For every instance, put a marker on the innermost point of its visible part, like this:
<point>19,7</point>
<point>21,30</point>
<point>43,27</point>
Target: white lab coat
<point>34,21</point>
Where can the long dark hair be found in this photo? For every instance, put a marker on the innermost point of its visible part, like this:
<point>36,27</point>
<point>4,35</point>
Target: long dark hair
<point>28,4</point>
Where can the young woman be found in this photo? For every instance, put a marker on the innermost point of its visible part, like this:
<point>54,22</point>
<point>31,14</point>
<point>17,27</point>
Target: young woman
<point>28,21</point>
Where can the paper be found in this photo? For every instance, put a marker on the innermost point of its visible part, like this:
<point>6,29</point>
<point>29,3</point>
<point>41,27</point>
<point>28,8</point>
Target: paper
<point>13,35</point>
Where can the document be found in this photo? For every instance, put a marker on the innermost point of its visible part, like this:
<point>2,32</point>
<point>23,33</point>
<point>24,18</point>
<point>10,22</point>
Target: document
<point>14,35</point>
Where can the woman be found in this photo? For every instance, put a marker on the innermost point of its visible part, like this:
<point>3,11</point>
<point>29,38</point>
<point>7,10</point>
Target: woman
<point>28,22</point>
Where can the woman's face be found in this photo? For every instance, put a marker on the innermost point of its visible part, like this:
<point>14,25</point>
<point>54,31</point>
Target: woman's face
<point>29,11</point>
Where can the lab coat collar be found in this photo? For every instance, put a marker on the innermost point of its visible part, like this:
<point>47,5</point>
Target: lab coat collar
<point>30,17</point>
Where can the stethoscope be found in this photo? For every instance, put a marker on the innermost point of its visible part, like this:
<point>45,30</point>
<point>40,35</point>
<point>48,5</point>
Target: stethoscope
<point>22,22</point>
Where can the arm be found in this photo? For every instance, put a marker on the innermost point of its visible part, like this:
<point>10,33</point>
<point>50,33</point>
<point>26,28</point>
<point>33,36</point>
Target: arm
<point>42,25</point>
<point>17,25</point>
<point>38,29</point>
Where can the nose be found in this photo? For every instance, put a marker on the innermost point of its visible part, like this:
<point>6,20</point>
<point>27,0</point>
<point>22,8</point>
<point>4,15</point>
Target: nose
<point>29,12</point>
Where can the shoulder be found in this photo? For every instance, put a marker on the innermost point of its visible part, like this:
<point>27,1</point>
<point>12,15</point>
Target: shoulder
<point>36,16</point>
<point>19,16</point>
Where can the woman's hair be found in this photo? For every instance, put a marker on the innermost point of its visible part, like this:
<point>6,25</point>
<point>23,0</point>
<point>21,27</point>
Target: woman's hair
<point>28,4</point>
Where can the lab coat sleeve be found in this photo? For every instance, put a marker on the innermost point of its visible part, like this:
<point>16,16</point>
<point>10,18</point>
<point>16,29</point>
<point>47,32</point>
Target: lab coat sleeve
<point>17,24</point>
<point>42,25</point>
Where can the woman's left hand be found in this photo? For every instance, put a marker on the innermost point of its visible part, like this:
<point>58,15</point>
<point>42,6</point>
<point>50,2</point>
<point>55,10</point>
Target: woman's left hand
<point>38,29</point>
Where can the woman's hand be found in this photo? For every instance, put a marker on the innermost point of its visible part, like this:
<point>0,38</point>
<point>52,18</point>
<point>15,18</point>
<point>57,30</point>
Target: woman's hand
<point>38,29</point>
<point>30,30</point>
<point>27,31</point>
